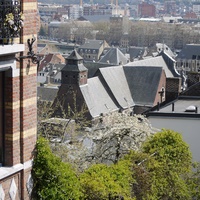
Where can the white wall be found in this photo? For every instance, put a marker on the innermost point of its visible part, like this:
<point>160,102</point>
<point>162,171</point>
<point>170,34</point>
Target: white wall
<point>188,127</point>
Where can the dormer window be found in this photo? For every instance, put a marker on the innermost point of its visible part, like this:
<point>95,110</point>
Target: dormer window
<point>194,57</point>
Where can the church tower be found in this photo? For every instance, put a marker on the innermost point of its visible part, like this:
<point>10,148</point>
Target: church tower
<point>69,96</point>
<point>74,72</point>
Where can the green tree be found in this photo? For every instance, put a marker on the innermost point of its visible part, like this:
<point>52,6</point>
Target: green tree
<point>103,182</point>
<point>172,162</point>
<point>43,31</point>
<point>53,179</point>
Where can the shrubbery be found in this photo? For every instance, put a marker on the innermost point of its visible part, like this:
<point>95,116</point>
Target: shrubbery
<point>161,169</point>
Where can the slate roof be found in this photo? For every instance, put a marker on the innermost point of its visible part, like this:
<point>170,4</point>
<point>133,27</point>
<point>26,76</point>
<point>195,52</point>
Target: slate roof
<point>143,83</point>
<point>193,90</point>
<point>97,18</point>
<point>116,82</point>
<point>114,56</point>
<point>97,98</point>
<point>171,63</point>
<point>94,66</point>
<point>92,44</point>
<point>75,65</point>
<point>188,51</point>
<point>163,47</point>
<point>152,62</point>
<point>74,56</point>
<point>136,52</point>
<point>47,93</point>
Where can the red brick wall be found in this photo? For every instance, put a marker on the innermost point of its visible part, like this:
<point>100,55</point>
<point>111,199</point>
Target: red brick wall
<point>21,108</point>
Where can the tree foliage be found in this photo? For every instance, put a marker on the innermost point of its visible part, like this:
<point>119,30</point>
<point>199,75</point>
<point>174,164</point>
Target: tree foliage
<point>102,182</point>
<point>160,169</point>
<point>53,179</point>
<point>172,161</point>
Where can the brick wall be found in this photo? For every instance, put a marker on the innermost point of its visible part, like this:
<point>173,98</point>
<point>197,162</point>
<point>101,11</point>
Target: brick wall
<point>173,88</point>
<point>21,111</point>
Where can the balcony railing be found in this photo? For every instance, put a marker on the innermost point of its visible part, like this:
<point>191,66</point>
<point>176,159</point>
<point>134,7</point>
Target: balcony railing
<point>11,20</point>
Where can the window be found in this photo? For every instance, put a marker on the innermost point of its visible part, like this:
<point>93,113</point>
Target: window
<point>194,57</point>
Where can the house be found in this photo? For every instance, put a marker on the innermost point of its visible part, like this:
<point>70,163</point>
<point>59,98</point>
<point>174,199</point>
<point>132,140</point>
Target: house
<point>112,89</point>
<point>174,83</point>
<point>91,50</point>
<point>188,59</point>
<point>181,115</point>
<point>114,56</point>
<point>51,74</point>
<point>18,103</point>
<point>53,58</point>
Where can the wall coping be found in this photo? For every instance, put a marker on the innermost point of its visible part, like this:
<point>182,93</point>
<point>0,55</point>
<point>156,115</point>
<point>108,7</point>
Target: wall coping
<point>11,49</point>
<point>8,171</point>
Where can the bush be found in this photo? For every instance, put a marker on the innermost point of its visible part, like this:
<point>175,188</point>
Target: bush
<point>53,179</point>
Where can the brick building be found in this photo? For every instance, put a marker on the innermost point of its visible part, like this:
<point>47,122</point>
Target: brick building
<point>18,108</point>
<point>146,10</point>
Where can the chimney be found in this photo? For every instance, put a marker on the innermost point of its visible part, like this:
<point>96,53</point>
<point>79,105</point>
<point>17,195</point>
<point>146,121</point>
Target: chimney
<point>81,3</point>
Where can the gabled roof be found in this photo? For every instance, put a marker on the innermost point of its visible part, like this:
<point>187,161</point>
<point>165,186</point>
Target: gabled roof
<point>189,51</point>
<point>143,83</point>
<point>92,44</point>
<point>116,82</point>
<point>152,62</point>
<point>170,63</point>
<point>136,52</point>
<point>163,47</point>
<point>97,98</point>
<point>114,56</point>
<point>74,56</point>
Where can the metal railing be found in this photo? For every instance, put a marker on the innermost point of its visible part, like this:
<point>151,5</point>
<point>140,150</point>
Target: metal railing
<point>11,20</point>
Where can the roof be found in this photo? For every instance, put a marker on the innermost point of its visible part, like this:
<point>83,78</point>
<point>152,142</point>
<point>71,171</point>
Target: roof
<point>143,83</point>
<point>136,52</point>
<point>96,103</point>
<point>92,44</point>
<point>188,51</point>
<point>97,18</point>
<point>181,107</point>
<point>75,65</point>
<point>194,90</point>
<point>152,62</point>
<point>163,47</point>
<point>114,56</point>
<point>94,66</point>
<point>116,82</point>
<point>47,93</point>
<point>74,56</point>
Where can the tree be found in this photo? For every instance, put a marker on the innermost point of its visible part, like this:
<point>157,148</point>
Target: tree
<point>43,31</point>
<point>172,162</point>
<point>109,140</point>
<point>103,182</point>
<point>53,179</point>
